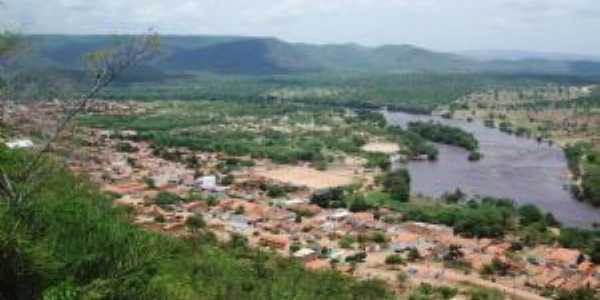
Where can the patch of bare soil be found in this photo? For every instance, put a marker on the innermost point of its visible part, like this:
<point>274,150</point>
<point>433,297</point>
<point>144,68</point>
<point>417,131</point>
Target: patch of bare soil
<point>334,176</point>
<point>381,147</point>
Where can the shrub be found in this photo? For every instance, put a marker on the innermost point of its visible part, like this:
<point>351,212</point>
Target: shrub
<point>164,198</point>
<point>346,242</point>
<point>427,291</point>
<point>413,255</point>
<point>126,147</point>
<point>475,156</point>
<point>228,180</point>
<point>358,203</point>
<point>496,267</point>
<point>195,222</point>
<point>397,183</point>
<point>329,198</point>
<point>394,259</point>
<point>357,258</point>
<point>529,214</point>
<point>444,134</point>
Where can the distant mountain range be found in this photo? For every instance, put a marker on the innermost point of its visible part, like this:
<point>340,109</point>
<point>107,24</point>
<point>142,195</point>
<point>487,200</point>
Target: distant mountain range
<point>494,54</point>
<point>256,56</point>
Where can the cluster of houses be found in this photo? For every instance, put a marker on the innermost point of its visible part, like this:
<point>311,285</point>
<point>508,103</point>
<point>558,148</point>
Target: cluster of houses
<point>294,227</point>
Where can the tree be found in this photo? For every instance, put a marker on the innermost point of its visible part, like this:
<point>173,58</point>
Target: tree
<point>329,198</point>
<point>457,196</point>
<point>455,253</point>
<point>496,267</point>
<point>595,252</point>
<point>104,66</point>
<point>228,180</point>
<point>578,294</point>
<point>164,198</point>
<point>149,181</point>
<point>8,42</point>
<point>397,183</point>
<point>591,184</point>
<point>195,222</point>
<point>357,258</point>
<point>475,156</point>
<point>551,220</point>
<point>530,214</point>
<point>394,259</point>
<point>358,203</point>
<point>413,254</point>
<point>346,242</point>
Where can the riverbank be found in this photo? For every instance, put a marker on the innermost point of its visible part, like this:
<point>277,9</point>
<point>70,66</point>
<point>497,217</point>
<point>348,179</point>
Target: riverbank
<point>512,167</point>
<point>564,116</point>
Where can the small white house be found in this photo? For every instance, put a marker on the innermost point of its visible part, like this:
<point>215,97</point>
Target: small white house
<point>20,144</point>
<point>295,202</point>
<point>207,182</point>
<point>305,254</point>
<point>339,214</point>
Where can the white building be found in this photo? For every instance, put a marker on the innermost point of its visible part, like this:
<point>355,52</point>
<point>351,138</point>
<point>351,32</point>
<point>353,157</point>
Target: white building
<point>208,183</point>
<point>20,144</point>
<point>339,214</point>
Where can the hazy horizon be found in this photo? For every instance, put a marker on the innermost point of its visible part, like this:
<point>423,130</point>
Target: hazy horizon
<point>546,26</point>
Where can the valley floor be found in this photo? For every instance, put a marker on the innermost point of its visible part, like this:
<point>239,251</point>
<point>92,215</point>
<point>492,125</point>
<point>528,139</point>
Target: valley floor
<point>270,206</point>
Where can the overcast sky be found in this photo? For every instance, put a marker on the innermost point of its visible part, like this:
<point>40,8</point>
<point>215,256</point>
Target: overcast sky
<point>449,25</point>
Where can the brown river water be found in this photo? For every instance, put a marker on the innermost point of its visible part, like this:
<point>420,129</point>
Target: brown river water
<point>512,167</point>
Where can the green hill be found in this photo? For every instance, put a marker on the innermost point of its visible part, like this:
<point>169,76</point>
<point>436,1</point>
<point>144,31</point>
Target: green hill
<point>246,56</point>
<point>268,56</point>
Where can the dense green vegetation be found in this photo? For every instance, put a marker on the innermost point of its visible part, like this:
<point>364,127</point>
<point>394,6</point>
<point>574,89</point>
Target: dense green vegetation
<point>444,134</point>
<point>586,240</point>
<point>395,188</point>
<point>414,92</point>
<point>66,241</point>
<point>585,166</point>
<point>591,184</point>
<point>494,218</point>
<point>414,143</point>
<point>282,133</point>
<point>427,291</point>
<point>397,184</point>
<point>286,133</point>
<point>486,218</point>
<point>410,92</point>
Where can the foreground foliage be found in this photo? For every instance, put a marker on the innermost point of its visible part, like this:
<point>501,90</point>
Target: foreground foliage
<point>68,242</point>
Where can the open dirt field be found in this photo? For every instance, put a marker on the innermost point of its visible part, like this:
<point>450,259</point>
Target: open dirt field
<point>309,177</point>
<point>381,147</point>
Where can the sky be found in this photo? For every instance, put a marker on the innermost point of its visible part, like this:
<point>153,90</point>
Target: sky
<point>570,26</point>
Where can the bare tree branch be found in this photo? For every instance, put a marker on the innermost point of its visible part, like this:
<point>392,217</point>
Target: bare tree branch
<point>105,66</point>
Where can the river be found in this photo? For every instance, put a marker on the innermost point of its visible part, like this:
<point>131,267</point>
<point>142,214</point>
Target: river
<point>512,167</point>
